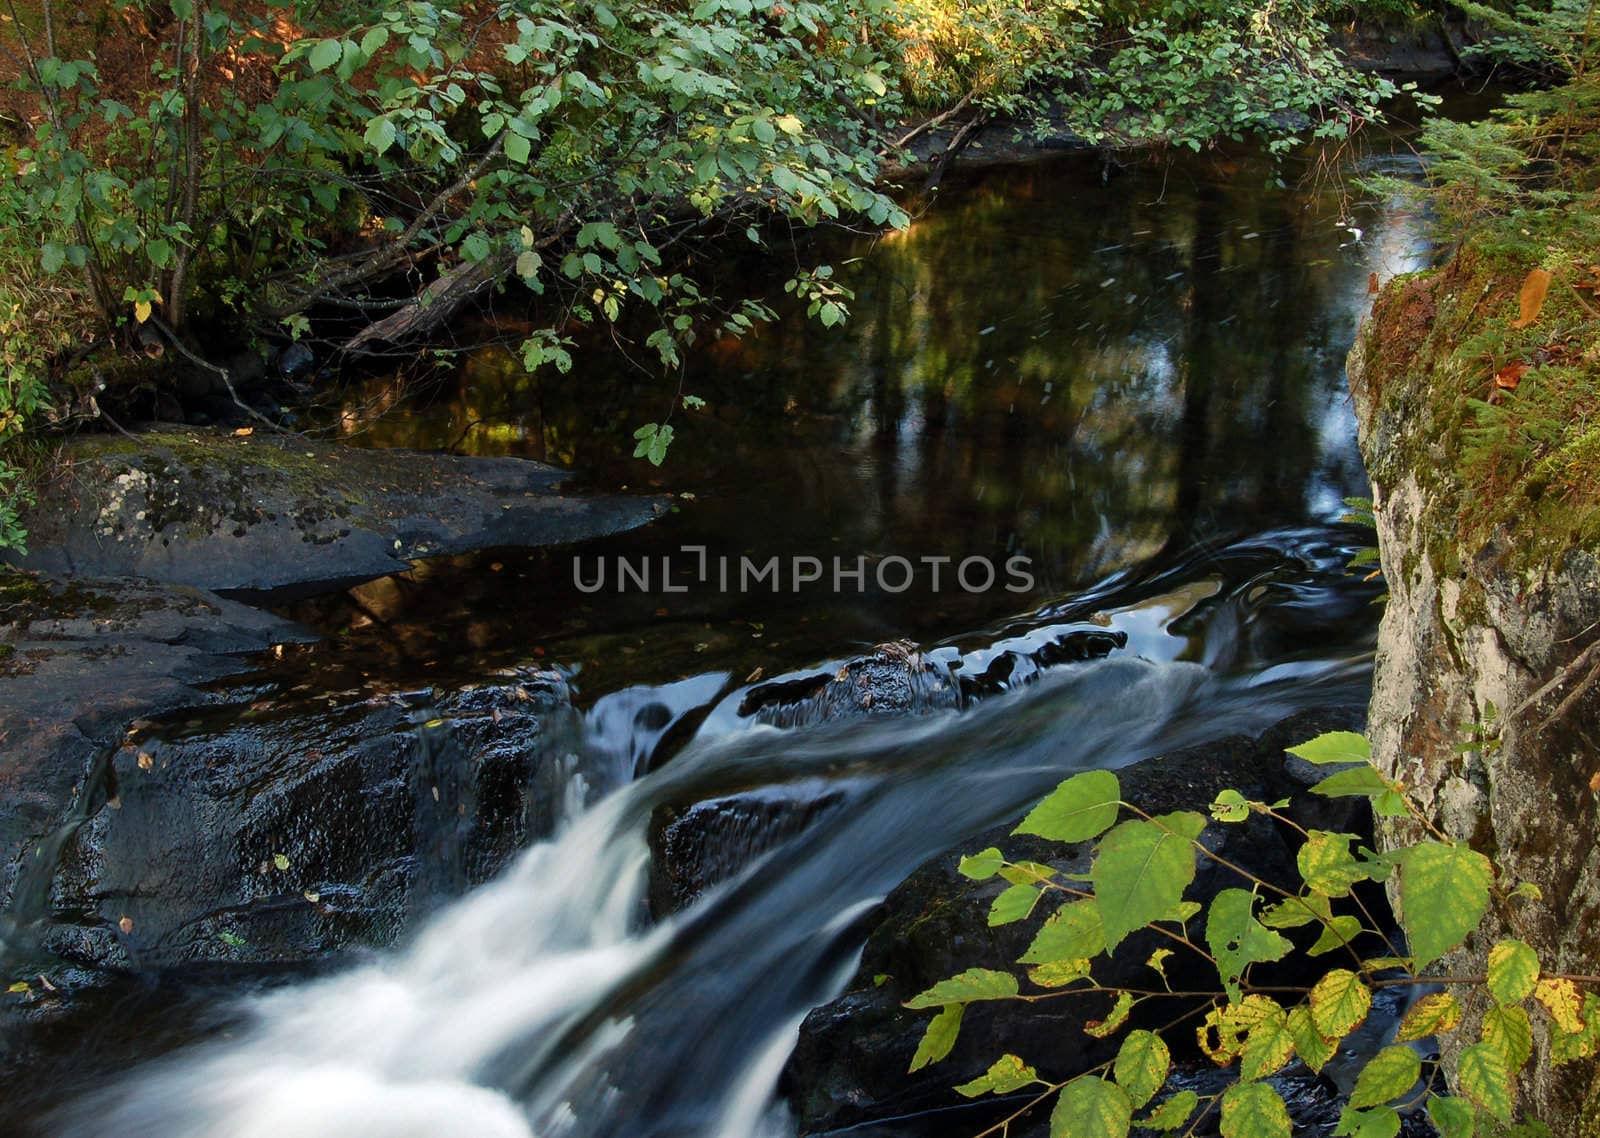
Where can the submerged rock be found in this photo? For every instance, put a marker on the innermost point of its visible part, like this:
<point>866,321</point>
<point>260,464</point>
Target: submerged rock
<point>850,1067</point>
<point>255,514</point>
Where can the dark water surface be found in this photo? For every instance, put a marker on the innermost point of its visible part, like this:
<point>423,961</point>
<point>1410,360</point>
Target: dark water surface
<point>1135,383</point>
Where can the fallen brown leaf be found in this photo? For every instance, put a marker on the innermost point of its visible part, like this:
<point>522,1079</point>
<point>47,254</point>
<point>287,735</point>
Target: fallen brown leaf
<point>1534,289</point>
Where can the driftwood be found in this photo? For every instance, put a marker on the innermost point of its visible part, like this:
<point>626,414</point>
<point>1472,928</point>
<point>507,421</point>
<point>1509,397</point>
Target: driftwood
<point>435,304</point>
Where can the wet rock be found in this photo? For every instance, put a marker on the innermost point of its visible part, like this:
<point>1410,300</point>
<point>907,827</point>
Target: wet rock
<point>283,837</point>
<point>896,679</point>
<point>850,1067</point>
<point>78,661</point>
<point>256,515</point>
<point>697,846</point>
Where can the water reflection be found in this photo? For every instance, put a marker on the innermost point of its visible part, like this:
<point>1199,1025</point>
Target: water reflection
<point>1094,376</point>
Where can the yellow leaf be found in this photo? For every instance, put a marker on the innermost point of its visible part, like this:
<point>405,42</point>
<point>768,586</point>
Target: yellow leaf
<point>1534,290</point>
<point>1560,998</point>
<point>244,432</point>
<point>141,311</point>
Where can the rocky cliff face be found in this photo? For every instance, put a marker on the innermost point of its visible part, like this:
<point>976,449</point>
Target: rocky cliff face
<point>1486,699</point>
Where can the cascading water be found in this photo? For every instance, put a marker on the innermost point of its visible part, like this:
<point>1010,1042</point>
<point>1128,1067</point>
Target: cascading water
<point>547,1003</point>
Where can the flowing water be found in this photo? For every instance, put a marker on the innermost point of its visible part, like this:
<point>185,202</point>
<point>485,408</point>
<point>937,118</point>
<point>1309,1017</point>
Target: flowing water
<point>1135,384</point>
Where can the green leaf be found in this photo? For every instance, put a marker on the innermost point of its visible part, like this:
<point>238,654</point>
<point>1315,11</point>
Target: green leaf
<point>518,149</point>
<point>1059,973</point>
<point>1357,782</point>
<point>1254,1110</point>
<point>1238,940</point>
<point>1334,747</point>
<point>1339,1002</point>
<point>1433,1014</point>
<point>1389,1074</point>
<point>1452,1117</point>
<point>1326,863</point>
<point>1091,1108</point>
<point>1230,806</point>
<point>982,865</point>
<point>1115,1018</point>
<point>1314,1048</point>
<point>1172,1114</point>
<point>1379,1122</point>
<point>1513,971</point>
<point>973,984</point>
<point>1006,1074</point>
<point>1072,932</point>
<point>1142,870</point>
<point>52,257</point>
<point>1508,1029</point>
<point>1295,912</point>
<point>1267,1047</point>
<point>1338,932</point>
<point>374,40</point>
<point>325,55</point>
<point>939,1036</point>
<point>1013,905</point>
<point>1444,892</point>
<point>1082,807</point>
<point>1483,1077</point>
<point>280,861</point>
<point>1142,1065</point>
<point>380,134</point>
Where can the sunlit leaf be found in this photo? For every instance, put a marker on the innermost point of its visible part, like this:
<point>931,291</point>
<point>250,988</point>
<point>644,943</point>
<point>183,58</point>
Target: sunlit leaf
<point>1483,1076</point>
<point>1006,1074</point>
<point>1339,1002</point>
<point>1091,1108</point>
<point>1389,1074</point>
<point>1444,892</point>
<point>973,984</point>
<point>1082,807</point>
<point>1433,1014</point>
<point>1141,1066</point>
<point>1513,971</point>
<point>939,1036</point>
<point>1142,870</point>
<point>1254,1110</point>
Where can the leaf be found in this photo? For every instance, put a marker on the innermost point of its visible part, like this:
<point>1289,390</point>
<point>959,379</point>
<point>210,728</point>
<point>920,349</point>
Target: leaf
<point>1295,912</point>
<point>1566,1046</point>
<point>1334,747</point>
<point>1115,1018</point>
<point>1237,939</point>
<point>1380,1122</point>
<point>982,865</point>
<point>1142,870</point>
<point>1172,1114</point>
<point>52,256</point>
<point>1483,1077</point>
<point>1314,1048</point>
<point>1230,806</point>
<point>1141,1066</point>
<point>1082,807</point>
<point>1364,782</point>
<point>1339,1002</point>
<point>1338,932</point>
<point>940,1036</point>
<point>1434,1014</point>
<point>1091,1108</point>
<point>325,55</point>
<point>281,861</point>
<point>1072,932</point>
<point>141,311</point>
<point>1444,892</point>
<point>1059,973</point>
<point>528,263</point>
<point>973,984</point>
<point>1509,377</point>
<point>1254,1110</point>
<point>1013,905</point>
<point>1561,1000</point>
<point>1535,287</point>
<point>1327,865</point>
<point>380,134</point>
<point>1452,1117</point>
<point>374,40</point>
<point>1267,1048</point>
<point>1231,1023</point>
<point>518,149</point>
<point>1006,1074</point>
<point>1509,1030</point>
<point>1513,971</point>
<point>1388,1075</point>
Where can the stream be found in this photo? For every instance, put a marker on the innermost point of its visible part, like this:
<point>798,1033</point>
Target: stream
<point>1133,383</point>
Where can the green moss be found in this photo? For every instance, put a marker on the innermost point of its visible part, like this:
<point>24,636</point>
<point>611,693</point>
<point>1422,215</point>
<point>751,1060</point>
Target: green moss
<point>1524,461</point>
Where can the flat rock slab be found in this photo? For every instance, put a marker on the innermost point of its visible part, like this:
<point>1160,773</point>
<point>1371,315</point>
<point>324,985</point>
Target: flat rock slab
<point>258,515</point>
